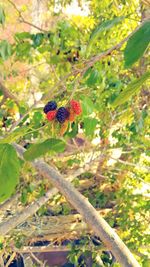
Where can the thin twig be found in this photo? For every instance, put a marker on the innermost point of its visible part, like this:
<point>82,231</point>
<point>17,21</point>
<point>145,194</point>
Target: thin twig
<point>131,164</point>
<point>22,20</point>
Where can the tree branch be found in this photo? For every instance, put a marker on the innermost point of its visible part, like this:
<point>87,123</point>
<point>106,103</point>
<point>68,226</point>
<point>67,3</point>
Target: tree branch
<point>90,215</point>
<point>40,249</point>
<point>19,218</point>
<point>88,212</point>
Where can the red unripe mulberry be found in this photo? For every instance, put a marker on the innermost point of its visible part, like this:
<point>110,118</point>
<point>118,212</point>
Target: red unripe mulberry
<point>75,105</point>
<point>51,115</point>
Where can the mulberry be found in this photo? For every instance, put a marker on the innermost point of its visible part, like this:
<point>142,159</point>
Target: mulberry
<point>75,105</point>
<point>51,115</point>
<point>62,114</point>
<point>50,106</point>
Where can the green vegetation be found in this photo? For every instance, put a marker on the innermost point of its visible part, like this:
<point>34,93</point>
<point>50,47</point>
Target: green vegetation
<point>101,59</point>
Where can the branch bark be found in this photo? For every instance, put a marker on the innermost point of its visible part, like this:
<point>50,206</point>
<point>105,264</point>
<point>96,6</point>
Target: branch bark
<point>9,202</point>
<point>89,214</point>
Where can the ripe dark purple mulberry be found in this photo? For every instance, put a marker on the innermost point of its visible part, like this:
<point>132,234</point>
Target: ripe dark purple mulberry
<point>50,106</point>
<point>62,114</point>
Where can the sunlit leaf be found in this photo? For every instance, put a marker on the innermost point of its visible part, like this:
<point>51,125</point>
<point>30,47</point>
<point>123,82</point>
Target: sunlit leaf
<point>131,89</point>
<point>9,171</point>
<point>2,16</point>
<point>137,44</point>
<point>105,25</point>
<point>5,49</point>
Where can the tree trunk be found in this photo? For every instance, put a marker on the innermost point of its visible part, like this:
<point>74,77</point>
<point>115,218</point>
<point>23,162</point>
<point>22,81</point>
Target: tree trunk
<point>39,18</point>
<point>39,10</point>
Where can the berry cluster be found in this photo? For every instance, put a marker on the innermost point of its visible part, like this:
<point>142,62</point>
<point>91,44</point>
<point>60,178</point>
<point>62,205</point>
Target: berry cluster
<point>63,114</point>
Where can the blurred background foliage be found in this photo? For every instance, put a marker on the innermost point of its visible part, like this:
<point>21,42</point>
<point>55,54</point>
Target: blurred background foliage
<point>54,63</point>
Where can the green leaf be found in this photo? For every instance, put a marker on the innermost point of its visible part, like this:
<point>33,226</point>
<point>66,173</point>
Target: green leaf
<point>105,25</point>
<point>131,89</point>
<point>74,131</point>
<point>93,78</point>
<point>40,149</point>
<point>2,16</point>
<point>9,171</point>
<point>37,39</point>
<point>90,126</point>
<point>23,49</point>
<point>5,50</point>
<point>87,106</point>
<point>16,134</point>
<point>137,44</point>
<point>23,35</point>
<point>37,117</point>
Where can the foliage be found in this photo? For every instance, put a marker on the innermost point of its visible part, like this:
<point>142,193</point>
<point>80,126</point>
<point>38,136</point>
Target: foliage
<point>132,88</point>
<point>111,135</point>
<point>9,171</point>
<point>37,150</point>
<point>137,44</point>
<point>2,15</point>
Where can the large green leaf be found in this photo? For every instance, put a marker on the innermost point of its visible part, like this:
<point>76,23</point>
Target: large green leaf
<point>9,171</point>
<point>103,26</point>
<point>40,149</point>
<point>131,89</point>
<point>137,44</point>
<point>2,16</point>
<point>5,49</point>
